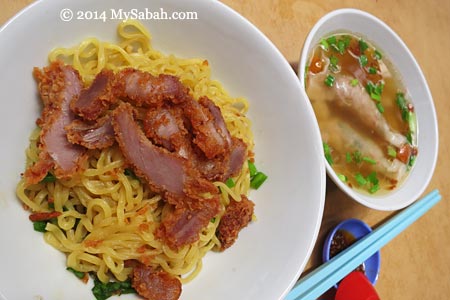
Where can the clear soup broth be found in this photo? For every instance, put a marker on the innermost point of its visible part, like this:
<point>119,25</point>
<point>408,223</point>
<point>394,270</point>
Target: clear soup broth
<point>366,119</point>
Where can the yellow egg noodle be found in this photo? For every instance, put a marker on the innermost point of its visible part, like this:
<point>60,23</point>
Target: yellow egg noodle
<point>119,213</point>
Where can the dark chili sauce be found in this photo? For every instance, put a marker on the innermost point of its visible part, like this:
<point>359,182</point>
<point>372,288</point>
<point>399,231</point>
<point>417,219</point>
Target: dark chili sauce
<point>341,240</point>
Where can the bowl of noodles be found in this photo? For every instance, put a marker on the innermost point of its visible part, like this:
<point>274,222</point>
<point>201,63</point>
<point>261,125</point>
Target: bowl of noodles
<point>153,157</point>
<point>374,108</point>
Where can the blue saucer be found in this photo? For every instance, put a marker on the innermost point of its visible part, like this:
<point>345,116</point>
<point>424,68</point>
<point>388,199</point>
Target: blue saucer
<point>357,229</point>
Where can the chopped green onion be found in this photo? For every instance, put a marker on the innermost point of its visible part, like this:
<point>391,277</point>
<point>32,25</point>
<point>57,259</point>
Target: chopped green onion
<point>378,55</point>
<point>48,178</point>
<point>258,180</point>
<point>347,39</point>
<point>363,46</point>
<point>363,60</point>
<point>324,44</point>
<point>374,188</point>
<point>213,220</point>
<point>79,274</point>
<point>230,182</point>
<point>342,177</point>
<point>412,123</point>
<point>103,291</point>
<point>354,82</point>
<point>40,226</point>
<point>327,151</point>
<point>331,40</point>
<point>341,46</point>
<point>375,96</point>
<point>360,179</point>
<point>412,160</point>
<point>130,173</point>
<point>372,70</point>
<point>357,156</point>
<point>348,157</point>
<point>403,105</point>
<point>409,137</point>
<point>252,169</point>
<point>380,107</point>
<point>391,151</point>
<point>333,63</point>
<point>372,178</point>
<point>369,160</point>
<point>329,80</point>
<point>375,91</point>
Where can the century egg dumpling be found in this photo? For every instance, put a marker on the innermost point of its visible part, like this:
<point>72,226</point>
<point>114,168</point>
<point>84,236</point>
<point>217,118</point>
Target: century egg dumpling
<point>366,118</point>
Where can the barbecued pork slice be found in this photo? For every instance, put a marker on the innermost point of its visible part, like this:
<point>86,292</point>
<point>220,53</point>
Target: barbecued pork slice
<point>96,99</point>
<point>166,127</point>
<point>144,89</point>
<point>155,284</point>
<point>91,135</point>
<point>210,135</point>
<point>58,85</point>
<point>182,226</point>
<point>236,217</point>
<point>160,168</point>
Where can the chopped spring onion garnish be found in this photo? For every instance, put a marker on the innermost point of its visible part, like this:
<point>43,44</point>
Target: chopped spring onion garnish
<point>409,137</point>
<point>342,177</point>
<point>252,169</point>
<point>376,97</point>
<point>103,291</point>
<point>380,107</point>
<point>130,173</point>
<point>375,90</point>
<point>341,46</point>
<point>332,41</point>
<point>79,274</point>
<point>354,82</point>
<point>213,220</point>
<point>372,70</point>
<point>378,55</point>
<point>324,44</point>
<point>412,160</point>
<point>373,182</point>
<point>333,63</point>
<point>363,46</point>
<point>329,80</point>
<point>374,188</point>
<point>363,60</point>
<point>357,156</point>
<point>327,151</point>
<point>391,151</point>
<point>348,157</point>
<point>403,105</point>
<point>369,160</point>
<point>360,179</point>
<point>258,180</point>
<point>230,182</point>
<point>49,178</point>
<point>40,226</point>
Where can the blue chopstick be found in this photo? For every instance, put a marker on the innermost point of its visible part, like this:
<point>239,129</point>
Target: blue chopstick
<point>320,280</point>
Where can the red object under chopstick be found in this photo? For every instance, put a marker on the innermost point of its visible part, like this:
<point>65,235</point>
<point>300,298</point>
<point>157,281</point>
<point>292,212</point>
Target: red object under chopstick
<point>356,286</point>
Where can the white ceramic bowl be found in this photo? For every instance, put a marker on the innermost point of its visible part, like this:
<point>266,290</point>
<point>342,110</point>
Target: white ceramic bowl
<point>271,253</point>
<point>392,47</point>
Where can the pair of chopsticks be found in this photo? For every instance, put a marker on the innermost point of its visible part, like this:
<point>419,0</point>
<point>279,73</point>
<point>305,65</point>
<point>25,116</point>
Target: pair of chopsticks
<point>320,280</point>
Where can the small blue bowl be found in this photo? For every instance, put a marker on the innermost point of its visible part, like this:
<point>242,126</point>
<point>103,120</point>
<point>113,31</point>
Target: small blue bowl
<point>357,229</point>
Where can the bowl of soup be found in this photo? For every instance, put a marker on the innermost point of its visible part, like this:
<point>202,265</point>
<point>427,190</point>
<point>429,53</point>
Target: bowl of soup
<point>374,108</point>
